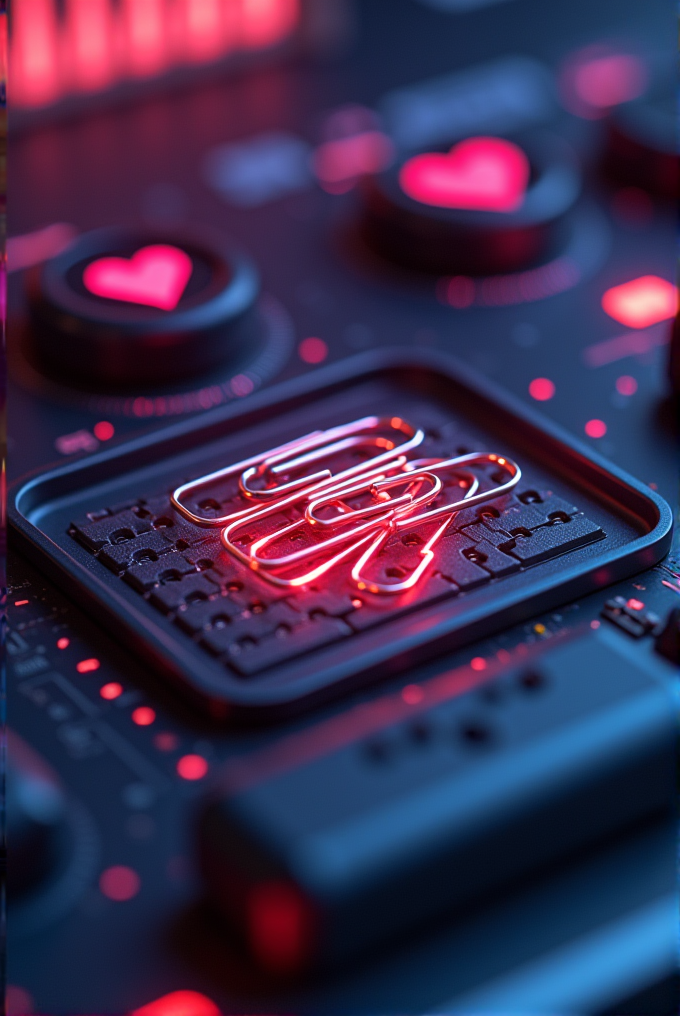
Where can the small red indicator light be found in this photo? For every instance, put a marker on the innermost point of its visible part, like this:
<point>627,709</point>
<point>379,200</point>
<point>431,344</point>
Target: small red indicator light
<point>478,663</point>
<point>87,666</point>
<point>165,741</point>
<point>63,643</point>
<point>20,603</point>
<point>192,767</point>
<point>313,350</point>
<point>179,1003</point>
<point>596,428</point>
<point>278,926</point>
<point>104,430</point>
<point>634,604</point>
<point>119,883</point>
<point>541,389</point>
<point>641,302</point>
<point>626,385</point>
<point>412,694</point>
<point>143,716</point>
<point>155,276</point>
<point>111,691</point>
<point>483,173</point>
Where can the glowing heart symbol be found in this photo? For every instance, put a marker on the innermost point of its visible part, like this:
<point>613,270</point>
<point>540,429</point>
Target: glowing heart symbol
<point>155,276</point>
<point>485,174</point>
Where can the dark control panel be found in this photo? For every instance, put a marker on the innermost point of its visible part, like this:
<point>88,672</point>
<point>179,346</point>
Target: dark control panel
<point>344,617</point>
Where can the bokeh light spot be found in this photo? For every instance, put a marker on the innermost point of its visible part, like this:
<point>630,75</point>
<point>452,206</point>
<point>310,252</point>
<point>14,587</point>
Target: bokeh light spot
<point>192,767</point>
<point>143,716</point>
<point>119,883</point>
<point>596,428</point>
<point>541,389</point>
<point>104,430</point>
<point>111,690</point>
<point>313,350</point>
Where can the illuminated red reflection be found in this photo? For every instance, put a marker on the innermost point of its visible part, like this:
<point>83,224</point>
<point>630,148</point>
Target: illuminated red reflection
<point>340,162</point>
<point>90,42</point>
<point>119,883</point>
<point>88,666</point>
<point>609,80</point>
<point>111,691</point>
<point>313,350</point>
<point>143,716</point>
<point>179,1003</point>
<point>63,643</point>
<point>155,276</point>
<point>484,173</point>
<point>192,767</point>
<point>278,925</point>
<point>641,302</point>
<point>265,22</point>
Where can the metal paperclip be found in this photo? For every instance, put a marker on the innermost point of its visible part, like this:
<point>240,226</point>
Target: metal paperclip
<point>336,487</point>
<point>404,519</point>
<point>292,454</point>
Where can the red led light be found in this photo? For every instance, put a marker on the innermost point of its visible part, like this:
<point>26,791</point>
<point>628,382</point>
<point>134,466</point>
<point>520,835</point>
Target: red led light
<point>313,350</point>
<point>143,716</point>
<point>34,53</point>
<point>412,694</point>
<point>179,1003</point>
<point>63,643</point>
<point>641,302</point>
<point>104,430</point>
<point>265,22</point>
<point>89,42</point>
<point>155,276</point>
<point>541,389</point>
<point>87,666</point>
<point>21,603</point>
<point>484,173</point>
<point>634,604</point>
<point>278,926</point>
<point>192,767</point>
<point>111,690</point>
<point>478,663</point>
<point>596,428</point>
<point>165,741</point>
<point>119,883</point>
<point>626,385</point>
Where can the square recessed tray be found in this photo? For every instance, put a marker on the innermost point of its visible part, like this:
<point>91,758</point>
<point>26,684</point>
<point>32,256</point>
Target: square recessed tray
<point>313,643</point>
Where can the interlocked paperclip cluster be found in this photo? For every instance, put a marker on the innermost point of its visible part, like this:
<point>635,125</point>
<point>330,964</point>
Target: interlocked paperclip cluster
<point>346,513</point>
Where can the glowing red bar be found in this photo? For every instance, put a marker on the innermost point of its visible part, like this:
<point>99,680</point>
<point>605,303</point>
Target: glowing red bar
<point>35,72</point>
<point>90,40</point>
<point>145,41</point>
<point>265,22</point>
<point>203,25</point>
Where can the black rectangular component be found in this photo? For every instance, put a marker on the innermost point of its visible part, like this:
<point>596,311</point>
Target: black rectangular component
<point>572,525</point>
<point>409,806</point>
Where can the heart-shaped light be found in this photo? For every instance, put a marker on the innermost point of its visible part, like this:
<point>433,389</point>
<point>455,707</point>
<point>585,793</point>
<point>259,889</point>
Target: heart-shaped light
<point>483,173</point>
<point>155,276</point>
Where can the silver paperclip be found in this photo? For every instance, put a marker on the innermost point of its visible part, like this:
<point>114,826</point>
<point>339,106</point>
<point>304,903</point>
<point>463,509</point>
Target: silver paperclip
<point>316,445</point>
<point>403,518</point>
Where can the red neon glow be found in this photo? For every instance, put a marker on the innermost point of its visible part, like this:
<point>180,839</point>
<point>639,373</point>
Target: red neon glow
<point>207,27</point>
<point>179,1003</point>
<point>338,163</point>
<point>278,926</point>
<point>542,389</point>
<point>641,302</point>
<point>266,22</point>
<point>628,344</point>
<point>483,173</point>
<point>144,25</point>
<point>155,276</point>
<point>111,691</point>
<point>119,883</point>
<point>88,666</point>
<point>606,81</point>
<point>35,71</point>
<point>18,1001</point>
<point>313,350</point>
<point>63,643</point>
<point>104,430</point>
<point>460,291</point>
<point>143,716</point>
<point>90,42</point>
<point>21,603</point>
<point>192,767</point>
<point>412,694</point>
<point>634,604</point>
<point>626,385</point>
<point>596,428</point>
<point>478,663</point>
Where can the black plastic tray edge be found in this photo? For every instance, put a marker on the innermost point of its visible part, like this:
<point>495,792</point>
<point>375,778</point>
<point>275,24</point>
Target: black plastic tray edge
<point>151,642</point>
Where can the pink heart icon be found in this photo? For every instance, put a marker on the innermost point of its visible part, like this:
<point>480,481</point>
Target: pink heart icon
<point>155,276</point>
<point>485,174</point>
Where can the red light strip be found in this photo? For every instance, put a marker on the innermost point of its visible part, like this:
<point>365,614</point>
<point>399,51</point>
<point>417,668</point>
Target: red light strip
<point>344,513</point>
<point>95,43</point>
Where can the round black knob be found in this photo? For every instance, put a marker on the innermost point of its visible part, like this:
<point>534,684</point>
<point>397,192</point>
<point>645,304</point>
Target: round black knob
<point>126,305</point>
<point>484,206</point>
<point>35,813</point>
<point>641,149</point>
